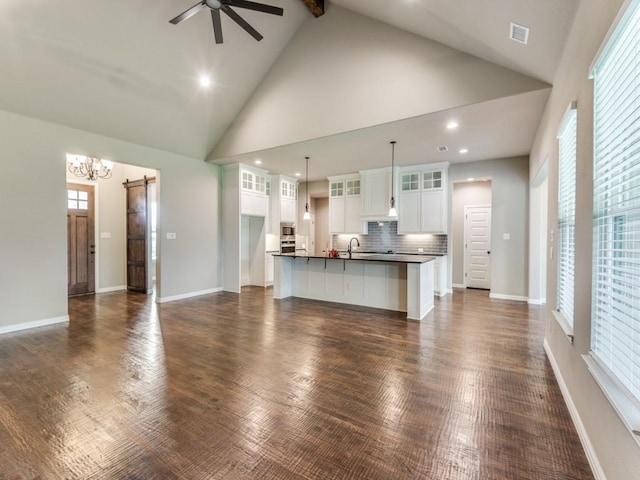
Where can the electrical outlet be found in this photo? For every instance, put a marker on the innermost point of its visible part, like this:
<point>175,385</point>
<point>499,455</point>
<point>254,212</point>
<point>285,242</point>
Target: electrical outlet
<point>171,236</point>
<point>420,250</point>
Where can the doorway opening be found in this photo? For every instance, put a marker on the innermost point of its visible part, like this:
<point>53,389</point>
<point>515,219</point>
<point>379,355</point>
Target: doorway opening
<point>321,238</point>
<point>252,251</point>
<point>107,244</point>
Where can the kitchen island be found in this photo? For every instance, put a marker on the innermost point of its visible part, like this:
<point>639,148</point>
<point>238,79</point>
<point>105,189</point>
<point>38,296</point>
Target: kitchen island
<point>394,282</point>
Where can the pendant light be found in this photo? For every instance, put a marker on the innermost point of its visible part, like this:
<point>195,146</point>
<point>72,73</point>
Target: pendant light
<point>392,204</point>
<point>307,215</point>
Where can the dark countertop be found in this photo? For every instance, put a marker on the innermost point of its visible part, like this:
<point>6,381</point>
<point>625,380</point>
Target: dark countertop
<point>429,254</point>
<point>369,257</point>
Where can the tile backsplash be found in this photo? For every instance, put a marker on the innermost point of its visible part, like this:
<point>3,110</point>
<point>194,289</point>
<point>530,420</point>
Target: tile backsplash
<point>385,237</point>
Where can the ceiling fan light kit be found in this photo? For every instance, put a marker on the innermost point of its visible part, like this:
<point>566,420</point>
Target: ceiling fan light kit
<point>216,6</point>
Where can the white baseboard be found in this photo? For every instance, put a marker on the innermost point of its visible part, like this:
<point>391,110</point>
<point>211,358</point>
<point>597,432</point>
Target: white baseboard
<point>38,323</point>
<point>187,295</point>
<point>501,296</point>
<point>449,290</point>
<point>111,289</point>
<point>575,416</point>
<point>537,301</point>
<point>459,285</point>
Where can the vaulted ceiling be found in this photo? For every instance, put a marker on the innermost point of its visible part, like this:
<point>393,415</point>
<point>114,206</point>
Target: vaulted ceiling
<point>120,69</point>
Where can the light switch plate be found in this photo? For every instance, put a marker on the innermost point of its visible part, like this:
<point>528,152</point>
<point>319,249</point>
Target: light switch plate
<point>506,236</point>
<point>171,236</point>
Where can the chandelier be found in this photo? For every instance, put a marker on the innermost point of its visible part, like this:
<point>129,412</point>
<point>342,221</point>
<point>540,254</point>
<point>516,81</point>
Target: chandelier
<point>90,167</point>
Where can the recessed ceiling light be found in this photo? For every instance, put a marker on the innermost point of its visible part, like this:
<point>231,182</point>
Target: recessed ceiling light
<point>297,174</point>
<point>205,81</point>
<point>452,125</point>
<point>258,162</point>
<point>463,150</point>
<point>444,148</point>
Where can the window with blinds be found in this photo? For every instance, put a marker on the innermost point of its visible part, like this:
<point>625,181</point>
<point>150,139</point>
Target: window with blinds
<point>566,213</point>
<point>615,329</point>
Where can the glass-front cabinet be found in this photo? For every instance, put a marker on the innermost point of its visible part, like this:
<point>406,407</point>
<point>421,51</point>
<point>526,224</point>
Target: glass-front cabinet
<point>345,205</point>
<point>422,198</point>
<point>254,199</point>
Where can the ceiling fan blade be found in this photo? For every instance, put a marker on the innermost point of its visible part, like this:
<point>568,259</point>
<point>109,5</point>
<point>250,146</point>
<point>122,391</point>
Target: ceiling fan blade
<point>188,13</point>
<point>258,7</point>
<point>242,22</point>
<point>217,25</point>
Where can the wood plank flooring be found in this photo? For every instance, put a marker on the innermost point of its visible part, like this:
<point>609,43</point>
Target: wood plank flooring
<point>229,386</point>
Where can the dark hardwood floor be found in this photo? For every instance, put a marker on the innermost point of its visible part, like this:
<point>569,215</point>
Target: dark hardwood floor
<point>244,387</point>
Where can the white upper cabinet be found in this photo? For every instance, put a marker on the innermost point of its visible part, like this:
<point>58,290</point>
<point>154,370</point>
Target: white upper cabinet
<point>345,205</point>
<point>284,201</point>
<point>376,193</point>
<point>254,199</point>
<point>422,198</point>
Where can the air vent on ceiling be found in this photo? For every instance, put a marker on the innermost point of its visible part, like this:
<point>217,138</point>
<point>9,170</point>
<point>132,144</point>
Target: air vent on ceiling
<point>519,33</point>
<point>443,149</point>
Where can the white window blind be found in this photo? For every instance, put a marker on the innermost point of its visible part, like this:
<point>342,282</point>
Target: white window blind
<point>615,330</point>
<point>566,213</point>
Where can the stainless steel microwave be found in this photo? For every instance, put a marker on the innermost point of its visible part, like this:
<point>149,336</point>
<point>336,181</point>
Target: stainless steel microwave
<point>287,230</point>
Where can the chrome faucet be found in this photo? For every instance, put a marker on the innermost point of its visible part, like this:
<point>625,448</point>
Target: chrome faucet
<point>350,249</point>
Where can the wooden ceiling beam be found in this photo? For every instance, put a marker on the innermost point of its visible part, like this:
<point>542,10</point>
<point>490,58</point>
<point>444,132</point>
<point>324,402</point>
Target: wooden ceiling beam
<point>315,6</point>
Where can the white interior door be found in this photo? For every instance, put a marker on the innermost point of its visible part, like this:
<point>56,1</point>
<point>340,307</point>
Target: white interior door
<point>477,242</point>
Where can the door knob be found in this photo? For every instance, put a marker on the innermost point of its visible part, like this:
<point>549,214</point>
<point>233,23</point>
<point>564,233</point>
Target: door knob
<point>488,252</point>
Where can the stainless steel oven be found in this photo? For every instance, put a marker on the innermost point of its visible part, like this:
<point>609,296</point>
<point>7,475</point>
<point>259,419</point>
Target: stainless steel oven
<point>287,246</point>
<point>287,238</point>
<point>287,230</point>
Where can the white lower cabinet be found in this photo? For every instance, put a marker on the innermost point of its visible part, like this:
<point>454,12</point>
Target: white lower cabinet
<point>440,276</point>
<point>268,268</point>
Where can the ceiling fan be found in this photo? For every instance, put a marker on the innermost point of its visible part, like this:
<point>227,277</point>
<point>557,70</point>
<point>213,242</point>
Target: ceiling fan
<point>225,5</point>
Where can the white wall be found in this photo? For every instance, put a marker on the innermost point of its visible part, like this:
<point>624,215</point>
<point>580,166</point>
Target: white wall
<point>509,214</point>
<point>33,238</point>
<point>610,446</point>
<point>464,194</point>
<point>397,75</point>
<point>232,231</point>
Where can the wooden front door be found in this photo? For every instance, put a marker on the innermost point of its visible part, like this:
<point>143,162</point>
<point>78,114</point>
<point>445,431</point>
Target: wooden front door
<point>138,227</point>
<point>80,240</point>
